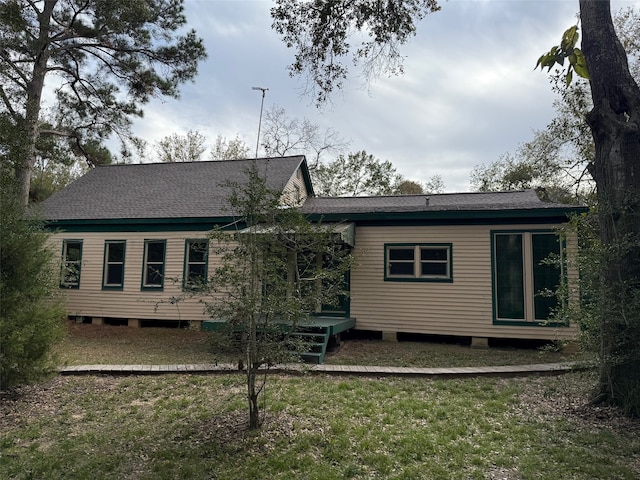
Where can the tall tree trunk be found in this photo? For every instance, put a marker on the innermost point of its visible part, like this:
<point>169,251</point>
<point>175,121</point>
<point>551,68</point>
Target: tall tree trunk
<point>24,165</point>
<point>615,125</point>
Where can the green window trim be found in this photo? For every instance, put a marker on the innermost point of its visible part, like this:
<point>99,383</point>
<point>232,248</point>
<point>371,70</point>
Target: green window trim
<point>71,265</point>
<point>418,262</point>
<point>196,263</point>
<point>153,264</point>
<point>113,264</point>
<point>519,274</point>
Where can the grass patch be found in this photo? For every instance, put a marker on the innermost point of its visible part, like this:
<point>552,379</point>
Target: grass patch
<point>316,428</point>
<point>104,344</point>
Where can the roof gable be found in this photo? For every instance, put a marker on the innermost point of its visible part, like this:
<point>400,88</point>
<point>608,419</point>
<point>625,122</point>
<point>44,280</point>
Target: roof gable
<point>162,190</point>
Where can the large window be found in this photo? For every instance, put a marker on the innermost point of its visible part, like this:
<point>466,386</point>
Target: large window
<point>196,255</point>
<point>527,271</point>
<point>427,262</point>
<point>113,271</point>
<point>71,263</point>
<point>153,266</point>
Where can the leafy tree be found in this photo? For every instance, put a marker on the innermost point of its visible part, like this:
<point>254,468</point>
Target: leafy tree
<point>274,270</point>
<point>408,187</point>
<point>434,185</point>
<point>30,312</point>
<point>104,59</point>
<point>614,121</point>
<point>320,31</point>
<point>557,159</point>
<point>283,135</point>
<point>234,149</point>
<point>181,148</point>
<point>355,175</point>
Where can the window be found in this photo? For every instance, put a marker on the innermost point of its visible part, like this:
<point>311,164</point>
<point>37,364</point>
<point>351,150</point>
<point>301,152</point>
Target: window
<point>525,276</point>
<point>428,262</point>
<point>71,263</point>
<point>113,271</point>
<point>153,266</point>
<point>196,255</point>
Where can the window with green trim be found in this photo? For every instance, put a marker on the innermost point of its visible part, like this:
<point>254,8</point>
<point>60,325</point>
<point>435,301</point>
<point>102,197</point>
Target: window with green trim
<point>418,262</point>
<point>113,270</point>
<point>153,265</point>
<point>71,263</point>
<point>196,256</point>
<point>526,275</point>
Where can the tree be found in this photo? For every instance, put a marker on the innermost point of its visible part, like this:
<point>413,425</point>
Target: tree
<point>274,271</point>
<point>434,185</point>
<point>557,159</point>
<point>320,32</point>
<point>103,58</point>
<point>283,135</point>
<point>181,148</point>
<point>30,312</point>
<point>615,126</point>
<point>234,149</point>
<point>408,187</point>
<point>355,175</point>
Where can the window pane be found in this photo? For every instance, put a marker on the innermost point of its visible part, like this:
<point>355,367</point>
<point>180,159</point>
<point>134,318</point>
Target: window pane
<point>154,274</point>
<point>115,252</point>
<point>509,276</point>
<point>74,252</point>
<point>401,254</point>
<point>114,274</point>
<point>546,276</point>
<point>401,268</point>
<point>197,251</point>
<point>196,272</point>
<point>72,275</point>
<point>439,269</point>
<point>155,252</point>
<point>433,254</point>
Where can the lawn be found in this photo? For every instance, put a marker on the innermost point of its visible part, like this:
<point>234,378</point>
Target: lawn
<point>105,344</point>
<point>316,427</point>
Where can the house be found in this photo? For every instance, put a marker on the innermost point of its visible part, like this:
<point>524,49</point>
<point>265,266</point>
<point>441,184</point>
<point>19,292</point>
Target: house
<point>468,264</point>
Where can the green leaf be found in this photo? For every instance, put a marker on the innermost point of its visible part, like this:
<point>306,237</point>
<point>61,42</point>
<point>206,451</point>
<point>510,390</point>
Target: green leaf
<point>580,64</point>
<point>569,39</point>
<point>569,76</point>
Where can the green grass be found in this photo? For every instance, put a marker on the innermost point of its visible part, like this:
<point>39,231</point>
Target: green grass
<point>93,344</point>
<point>316,427</point>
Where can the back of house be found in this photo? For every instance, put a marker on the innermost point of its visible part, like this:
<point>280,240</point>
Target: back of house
<point>132,238</point>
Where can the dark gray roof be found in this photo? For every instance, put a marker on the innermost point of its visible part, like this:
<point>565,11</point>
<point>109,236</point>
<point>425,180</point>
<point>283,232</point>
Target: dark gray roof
<point>161,190</point>
<point>449,202</point>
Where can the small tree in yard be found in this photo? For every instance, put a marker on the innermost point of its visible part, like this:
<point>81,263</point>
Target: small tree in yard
<point>30,315</point>
<point>275,269</point>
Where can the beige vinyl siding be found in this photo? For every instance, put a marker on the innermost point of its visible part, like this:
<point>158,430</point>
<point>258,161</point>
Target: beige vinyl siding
<point>90,300</point>
<point>463,307</point>
<point>289,191</point>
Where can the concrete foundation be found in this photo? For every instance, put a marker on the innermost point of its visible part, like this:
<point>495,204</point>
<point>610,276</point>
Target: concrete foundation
<point>479,342</point>
<point>389,337</point>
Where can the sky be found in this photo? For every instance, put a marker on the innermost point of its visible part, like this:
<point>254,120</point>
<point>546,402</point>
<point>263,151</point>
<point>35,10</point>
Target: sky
<point>469,92</point>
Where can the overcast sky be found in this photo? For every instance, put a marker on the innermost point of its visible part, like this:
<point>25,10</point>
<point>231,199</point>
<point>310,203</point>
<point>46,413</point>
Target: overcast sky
<point>469,92</point>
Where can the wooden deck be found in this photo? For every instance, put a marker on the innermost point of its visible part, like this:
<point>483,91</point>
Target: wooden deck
<point>315,333</point>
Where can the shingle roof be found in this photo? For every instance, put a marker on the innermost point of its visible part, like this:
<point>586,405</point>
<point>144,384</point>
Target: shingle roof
<point>450,202</point>
<point>161,190</point>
